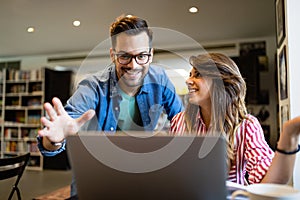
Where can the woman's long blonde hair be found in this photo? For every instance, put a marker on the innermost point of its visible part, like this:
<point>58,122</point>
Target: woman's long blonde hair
<point>227,94</point>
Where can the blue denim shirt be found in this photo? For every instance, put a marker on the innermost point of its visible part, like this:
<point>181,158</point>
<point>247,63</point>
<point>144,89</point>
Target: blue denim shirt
<point>100,93</point>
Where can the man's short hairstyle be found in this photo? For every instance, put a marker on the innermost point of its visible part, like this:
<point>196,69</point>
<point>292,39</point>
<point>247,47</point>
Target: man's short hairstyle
<point>132,25</point>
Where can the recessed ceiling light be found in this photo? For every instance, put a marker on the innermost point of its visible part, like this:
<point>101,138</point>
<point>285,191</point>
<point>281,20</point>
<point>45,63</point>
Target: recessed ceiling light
<point>193,9</point>
<point>30,29</point>
<point>76,23</point>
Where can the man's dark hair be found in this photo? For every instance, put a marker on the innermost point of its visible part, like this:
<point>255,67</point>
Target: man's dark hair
<point>132,25</point>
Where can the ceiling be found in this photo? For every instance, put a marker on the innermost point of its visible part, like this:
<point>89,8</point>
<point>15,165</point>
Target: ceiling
<point>217,20</point>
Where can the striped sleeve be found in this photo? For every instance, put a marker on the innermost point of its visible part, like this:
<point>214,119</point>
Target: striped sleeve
<point>258,153</point>
<point>177,125</point>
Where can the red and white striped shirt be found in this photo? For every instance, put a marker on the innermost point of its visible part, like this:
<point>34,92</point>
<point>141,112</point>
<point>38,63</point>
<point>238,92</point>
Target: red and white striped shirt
<point>252,154</point>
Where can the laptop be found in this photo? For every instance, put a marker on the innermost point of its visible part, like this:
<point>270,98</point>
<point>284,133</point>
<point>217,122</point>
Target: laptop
<point>139,166</point>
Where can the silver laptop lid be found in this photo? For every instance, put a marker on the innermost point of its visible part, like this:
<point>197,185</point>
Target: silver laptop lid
<point>138,167</point>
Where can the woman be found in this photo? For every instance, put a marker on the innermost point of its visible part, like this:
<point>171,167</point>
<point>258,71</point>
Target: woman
<point>217,106</point>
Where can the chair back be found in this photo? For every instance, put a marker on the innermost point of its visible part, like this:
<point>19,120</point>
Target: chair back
<point>13,167</point>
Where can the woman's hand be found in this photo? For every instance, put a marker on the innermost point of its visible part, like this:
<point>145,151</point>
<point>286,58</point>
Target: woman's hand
<point>289,137</point>
<point>292,127</point>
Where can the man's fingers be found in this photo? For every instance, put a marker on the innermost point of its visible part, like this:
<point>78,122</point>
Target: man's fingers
<point>85,117</point>
<point>55,110</point>
<point>59,108</point>
<point>50,111</point>
<point>46,122</point>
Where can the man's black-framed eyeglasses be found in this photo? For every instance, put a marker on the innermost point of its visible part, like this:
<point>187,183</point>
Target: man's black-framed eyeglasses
<point>126,58</point>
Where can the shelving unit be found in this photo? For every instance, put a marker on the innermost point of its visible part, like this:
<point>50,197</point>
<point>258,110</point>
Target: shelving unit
<point>2,77</point>
<point>22,99</point>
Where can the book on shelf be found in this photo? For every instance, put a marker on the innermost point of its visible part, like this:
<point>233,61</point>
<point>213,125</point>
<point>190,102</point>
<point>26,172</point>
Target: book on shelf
<point>20,146</point>
<point>35,75</point>
<point>35,88</point>
<point>10,133</point>
<point>33,133</point>
<point>11,146</point>
<point>17,75</point>
<point>33,119</point>
<point>34,102</point>
<point>1,76</point>
<point>33,147</point>
<point>19,88</point>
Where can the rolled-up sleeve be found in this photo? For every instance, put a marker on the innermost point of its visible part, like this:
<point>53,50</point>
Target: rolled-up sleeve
<point>48,153</point>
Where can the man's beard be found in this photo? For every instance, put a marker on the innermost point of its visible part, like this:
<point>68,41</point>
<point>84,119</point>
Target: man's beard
<point>131,82</point>
<point>132,77</point>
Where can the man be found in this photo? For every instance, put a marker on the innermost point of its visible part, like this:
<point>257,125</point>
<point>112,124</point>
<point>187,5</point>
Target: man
<point>129,95</point>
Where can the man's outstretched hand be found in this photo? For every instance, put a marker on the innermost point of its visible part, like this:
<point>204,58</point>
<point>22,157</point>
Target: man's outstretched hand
<point>60,124</point>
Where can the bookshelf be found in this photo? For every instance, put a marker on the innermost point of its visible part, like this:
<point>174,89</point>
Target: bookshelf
<point>21,98</point>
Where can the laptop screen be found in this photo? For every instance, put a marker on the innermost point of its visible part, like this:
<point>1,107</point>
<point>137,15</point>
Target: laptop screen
<point>138,167</point>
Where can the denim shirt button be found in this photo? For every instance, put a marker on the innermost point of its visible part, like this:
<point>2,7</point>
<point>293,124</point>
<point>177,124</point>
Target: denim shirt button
<point>116,108</point>
<point>111,128</point>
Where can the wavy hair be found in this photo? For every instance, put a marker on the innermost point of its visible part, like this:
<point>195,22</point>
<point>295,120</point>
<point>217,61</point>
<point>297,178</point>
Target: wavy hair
<point>227,93</point>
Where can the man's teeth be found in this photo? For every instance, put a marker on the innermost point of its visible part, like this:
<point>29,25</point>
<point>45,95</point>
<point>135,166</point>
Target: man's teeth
<point>132,72</point>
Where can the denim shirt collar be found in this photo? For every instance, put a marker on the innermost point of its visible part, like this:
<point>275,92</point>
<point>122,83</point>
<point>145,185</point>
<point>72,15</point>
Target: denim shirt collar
<point>110,72</point>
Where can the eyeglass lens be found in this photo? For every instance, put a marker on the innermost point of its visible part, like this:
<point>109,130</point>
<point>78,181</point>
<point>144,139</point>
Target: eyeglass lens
<point>140,59</point>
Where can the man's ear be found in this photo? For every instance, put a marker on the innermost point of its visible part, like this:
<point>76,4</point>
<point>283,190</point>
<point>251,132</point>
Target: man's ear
<point>152,53</point>
<point>111,54</point>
